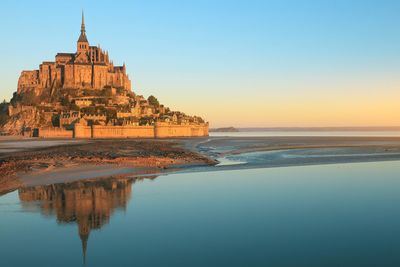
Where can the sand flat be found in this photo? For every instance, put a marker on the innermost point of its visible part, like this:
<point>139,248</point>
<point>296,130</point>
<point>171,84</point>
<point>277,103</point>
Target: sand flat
<point>247,152</point>
<point>8,145</point>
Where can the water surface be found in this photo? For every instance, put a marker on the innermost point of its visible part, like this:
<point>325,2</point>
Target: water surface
<point>327,215</point>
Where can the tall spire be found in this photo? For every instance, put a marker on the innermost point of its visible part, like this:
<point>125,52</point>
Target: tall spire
<point>82,37</point>
<point>83,31</point>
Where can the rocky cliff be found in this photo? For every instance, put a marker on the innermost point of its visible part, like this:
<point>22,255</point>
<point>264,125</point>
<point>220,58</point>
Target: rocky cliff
<point>27,118</point>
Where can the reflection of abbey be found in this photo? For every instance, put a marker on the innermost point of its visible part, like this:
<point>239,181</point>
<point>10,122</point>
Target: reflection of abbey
<point>89,204</point>
<point>83,95</point>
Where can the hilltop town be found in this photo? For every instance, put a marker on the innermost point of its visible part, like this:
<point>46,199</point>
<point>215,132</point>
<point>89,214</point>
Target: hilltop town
<point>84,95</point>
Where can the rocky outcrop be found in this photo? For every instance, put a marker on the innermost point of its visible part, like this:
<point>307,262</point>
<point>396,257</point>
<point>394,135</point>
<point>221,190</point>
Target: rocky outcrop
<point>27,118</point>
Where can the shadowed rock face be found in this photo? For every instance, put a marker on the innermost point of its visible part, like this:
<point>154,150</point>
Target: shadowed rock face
<point>89,204</point>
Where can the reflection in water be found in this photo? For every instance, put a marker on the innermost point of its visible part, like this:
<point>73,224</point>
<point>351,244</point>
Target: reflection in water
<point>88,203</point>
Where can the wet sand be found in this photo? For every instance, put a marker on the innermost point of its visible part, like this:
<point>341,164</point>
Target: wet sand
<point>9,144</point>
<point>70,160</point>
<point>264,152</point>
<point>30,162</point>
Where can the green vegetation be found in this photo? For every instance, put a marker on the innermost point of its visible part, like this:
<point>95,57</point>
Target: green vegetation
<point>3,113</point>
<point>146,121</point>
<point>64,101</point>
<point>92,92</point>
<point>74,107</point>
<point>111,113</point>
<point>89,110</point>
<point>26,98</point>
<point>153,101</point>
<point>121,91</point>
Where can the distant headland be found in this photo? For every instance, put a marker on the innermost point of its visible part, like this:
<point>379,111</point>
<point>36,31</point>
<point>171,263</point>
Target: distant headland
<point>84,95</point>
<point>224,130</point>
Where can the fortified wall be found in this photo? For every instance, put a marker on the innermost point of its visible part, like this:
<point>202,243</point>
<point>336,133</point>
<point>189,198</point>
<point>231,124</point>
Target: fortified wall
<point>159,130</point>
<point>54,132</point>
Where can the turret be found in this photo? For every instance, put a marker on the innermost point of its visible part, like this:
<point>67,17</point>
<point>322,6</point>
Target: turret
<point>83,43</point>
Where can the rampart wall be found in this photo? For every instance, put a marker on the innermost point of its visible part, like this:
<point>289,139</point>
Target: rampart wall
<point>122,131</point>
<point>54,132</point>
<point>159,130</point>
<point>166,130</point>
<point>82,131</point>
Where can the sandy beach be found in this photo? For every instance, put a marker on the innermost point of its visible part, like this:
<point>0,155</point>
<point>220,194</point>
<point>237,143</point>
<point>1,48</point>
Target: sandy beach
<point>28,162</point>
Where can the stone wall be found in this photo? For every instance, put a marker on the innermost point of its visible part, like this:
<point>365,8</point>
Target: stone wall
<point>128,131</point>
<point>19,108</point>
<point>53,132</point>
<point>159,130</point>
<point>82,131</point>
<point>165,130</point>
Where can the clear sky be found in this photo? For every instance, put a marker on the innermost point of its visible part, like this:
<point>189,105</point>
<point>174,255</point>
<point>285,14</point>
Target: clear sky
<point>240,63</point>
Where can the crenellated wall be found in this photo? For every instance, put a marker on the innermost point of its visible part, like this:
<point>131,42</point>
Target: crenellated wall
<point>159,130</point>
<point>53,132</point>
<point>82,131</point>
<point>100,131</point>
<point>166,130</point>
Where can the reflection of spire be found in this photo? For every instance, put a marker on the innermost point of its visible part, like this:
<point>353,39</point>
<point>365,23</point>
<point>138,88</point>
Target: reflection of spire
<point>84,239</point>
<point>84,231</point>
<point>89,204</point>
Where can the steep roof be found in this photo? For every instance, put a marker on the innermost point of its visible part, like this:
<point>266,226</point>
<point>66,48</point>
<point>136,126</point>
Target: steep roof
<point>83,38</point>
<point>65,54</point>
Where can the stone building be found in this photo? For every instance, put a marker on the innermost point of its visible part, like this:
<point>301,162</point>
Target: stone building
<point>88,68</point>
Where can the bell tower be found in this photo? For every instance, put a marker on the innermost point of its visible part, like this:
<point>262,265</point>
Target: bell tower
<point>83,44</point>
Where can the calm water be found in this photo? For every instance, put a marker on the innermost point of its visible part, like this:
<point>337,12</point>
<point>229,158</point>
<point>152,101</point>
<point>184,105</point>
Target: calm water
<point>308,133</point>
<point>334,215</point>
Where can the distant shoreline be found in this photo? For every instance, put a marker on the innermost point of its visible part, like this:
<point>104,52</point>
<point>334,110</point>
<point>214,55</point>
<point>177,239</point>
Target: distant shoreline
<point>311,129</point>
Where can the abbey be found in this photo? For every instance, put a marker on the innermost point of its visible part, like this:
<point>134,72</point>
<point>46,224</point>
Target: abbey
<point>83,95</point>
<point>88,68</point>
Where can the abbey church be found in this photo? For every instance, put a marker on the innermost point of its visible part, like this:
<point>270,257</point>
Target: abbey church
<point>83,95</point>
<point>88,68</point>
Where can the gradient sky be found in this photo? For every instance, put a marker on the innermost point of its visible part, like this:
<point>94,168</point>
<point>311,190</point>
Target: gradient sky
<point>240,63</point>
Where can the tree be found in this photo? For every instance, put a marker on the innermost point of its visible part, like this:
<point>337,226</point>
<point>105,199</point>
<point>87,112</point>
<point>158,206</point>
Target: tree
<point>89,110</point>
<point>3,113</point>
<point>28,98</point>
<point>15,99</point>
<point>64,101</point>
<point>153,101</point>
<point>74,107</point>
<point>111,114</point>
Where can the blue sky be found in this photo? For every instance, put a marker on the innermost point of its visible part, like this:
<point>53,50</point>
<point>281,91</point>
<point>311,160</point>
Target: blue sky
<point>244,63</point>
